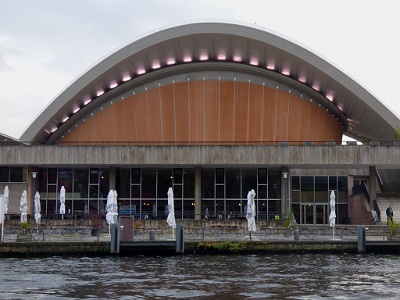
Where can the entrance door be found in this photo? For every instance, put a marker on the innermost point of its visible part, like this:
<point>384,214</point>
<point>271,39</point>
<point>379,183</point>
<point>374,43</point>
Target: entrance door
<point>315,214</point>
<point>307,214</point>
<point>321,213</point>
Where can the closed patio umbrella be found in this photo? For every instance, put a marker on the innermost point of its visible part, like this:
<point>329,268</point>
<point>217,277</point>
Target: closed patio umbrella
<point>6,199</point>
<point>23,207</point>
<point>62,202</point>
<point>251,212</point>
<point>36,201</point>
<point>171,213</point>
<point>332,215</point>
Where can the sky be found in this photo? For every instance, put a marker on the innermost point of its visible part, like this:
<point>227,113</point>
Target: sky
<point>45,45</point>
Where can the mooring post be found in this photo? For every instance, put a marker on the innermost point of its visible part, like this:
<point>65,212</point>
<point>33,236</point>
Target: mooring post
<point>361,242</point>
<point>115,238</point>
<point>180,247</point>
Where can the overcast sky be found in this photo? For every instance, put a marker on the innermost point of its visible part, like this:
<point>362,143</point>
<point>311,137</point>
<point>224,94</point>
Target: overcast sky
<point>46,44</point>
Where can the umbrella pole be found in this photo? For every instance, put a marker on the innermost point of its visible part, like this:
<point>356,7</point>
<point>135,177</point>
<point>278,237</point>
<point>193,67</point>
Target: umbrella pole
<point>173,234</point>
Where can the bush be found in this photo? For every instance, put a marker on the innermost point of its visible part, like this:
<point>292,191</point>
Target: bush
<point>394,227</point>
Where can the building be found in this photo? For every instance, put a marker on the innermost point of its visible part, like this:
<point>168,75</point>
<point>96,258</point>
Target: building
<point>213,110</point>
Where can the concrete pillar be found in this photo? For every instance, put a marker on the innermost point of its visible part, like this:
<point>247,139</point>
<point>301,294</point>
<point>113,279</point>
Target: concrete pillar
<point>361,240</point>
<point>372,184</point>
<point>285,189</point>
<point>115,238</point>
<point>180,244</point>
<point>112,178</point>
<point>197,193</point>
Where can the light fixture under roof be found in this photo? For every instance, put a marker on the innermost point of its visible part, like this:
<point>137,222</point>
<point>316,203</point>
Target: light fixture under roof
<point>65,119</point>
<point>203,57</point>
<point>254,62</point>
<point>126,77</point>
<point>156,65</point>
<point>286,71</point>
<point>271,65</point>
<point>171,61</point>
<point>187,58</point>
<point>237,58</point>
<point>141,71</point>
<point>87,101</point>
<point>329,95</point>
<point>76,109</point>
<point>99,93</point>
<point>113,84</point>
<point>221,56</point>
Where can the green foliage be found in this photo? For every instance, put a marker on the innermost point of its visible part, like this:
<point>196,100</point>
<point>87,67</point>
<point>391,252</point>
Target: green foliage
<point>394,227</point>
<point>288,222</point>
<point>397,132</point>
<point>24,227</point>
<point>221,247</point>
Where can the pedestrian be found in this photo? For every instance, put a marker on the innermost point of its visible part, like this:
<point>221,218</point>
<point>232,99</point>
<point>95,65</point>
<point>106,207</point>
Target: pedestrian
<point>389,214</point>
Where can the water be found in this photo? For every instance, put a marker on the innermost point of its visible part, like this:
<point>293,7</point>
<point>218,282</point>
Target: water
<point>296,276</point>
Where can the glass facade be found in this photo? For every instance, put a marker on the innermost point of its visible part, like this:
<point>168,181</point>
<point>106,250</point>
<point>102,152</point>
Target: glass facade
<point>310,196</point>
<point>224,192</point>
<point>86,190</point>
<point>143,192</point>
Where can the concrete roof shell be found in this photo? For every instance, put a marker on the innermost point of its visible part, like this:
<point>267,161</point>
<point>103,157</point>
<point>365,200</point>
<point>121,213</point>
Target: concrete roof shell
<point>214,46</point>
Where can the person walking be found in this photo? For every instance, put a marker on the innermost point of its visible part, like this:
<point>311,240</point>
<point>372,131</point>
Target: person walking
<point>389,214</point>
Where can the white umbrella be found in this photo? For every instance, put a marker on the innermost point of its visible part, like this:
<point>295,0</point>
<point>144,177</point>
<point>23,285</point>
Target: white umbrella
<point>62,201</point>
<point>5,200</point>
<point>109,208</point>
<point>332,215</point>
<point>171,213</point>
<point>115,206</point>
<point>23,207</point>
<point>251,212</point>
<point>38,216</point>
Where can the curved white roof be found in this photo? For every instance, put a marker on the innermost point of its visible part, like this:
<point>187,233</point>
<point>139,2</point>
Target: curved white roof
<point>213,46</point>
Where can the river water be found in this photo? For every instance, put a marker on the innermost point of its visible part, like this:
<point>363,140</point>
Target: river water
<point>284,276</point>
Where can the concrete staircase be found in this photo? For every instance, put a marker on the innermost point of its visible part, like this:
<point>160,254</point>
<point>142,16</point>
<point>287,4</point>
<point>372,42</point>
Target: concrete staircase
<point>391,183</point>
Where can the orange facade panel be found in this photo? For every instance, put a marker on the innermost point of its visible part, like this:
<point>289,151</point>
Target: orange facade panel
<point>203,112</point>
<point>182,112</point>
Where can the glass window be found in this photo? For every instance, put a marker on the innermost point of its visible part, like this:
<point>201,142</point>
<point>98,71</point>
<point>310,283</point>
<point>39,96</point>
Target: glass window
<point>65,180</point>
<point>321,189</point>
<point>4,174</point>
<point>94,176</point>
<point>52,175</point>
<point>262,192</point>
<point>332,183</point>
<point>17,174</point>
<point>177,191</point>
<point>219,176</point>
<point>123,183</point>
<point>188,183</point>
<point>164,182</point>
<point>149,184</point>
<point>232,183</point>
<point>136,175</point>
<point>104,183</point>
<point>81,180</point>
<point>249,181</point>
<point>220,191</point>
<point>307,188</point>
<point>135,191</point>
<point>295,183</point>
<point>207,183</point>
<point>262,176</point>
<point>178,175</point>
<point>274,184</point>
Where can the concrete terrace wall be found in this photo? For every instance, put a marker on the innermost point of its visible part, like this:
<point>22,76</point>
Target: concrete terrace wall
<point>326,156</point>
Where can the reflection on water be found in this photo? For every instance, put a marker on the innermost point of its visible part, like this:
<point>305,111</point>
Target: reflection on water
<point>297,276</point>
